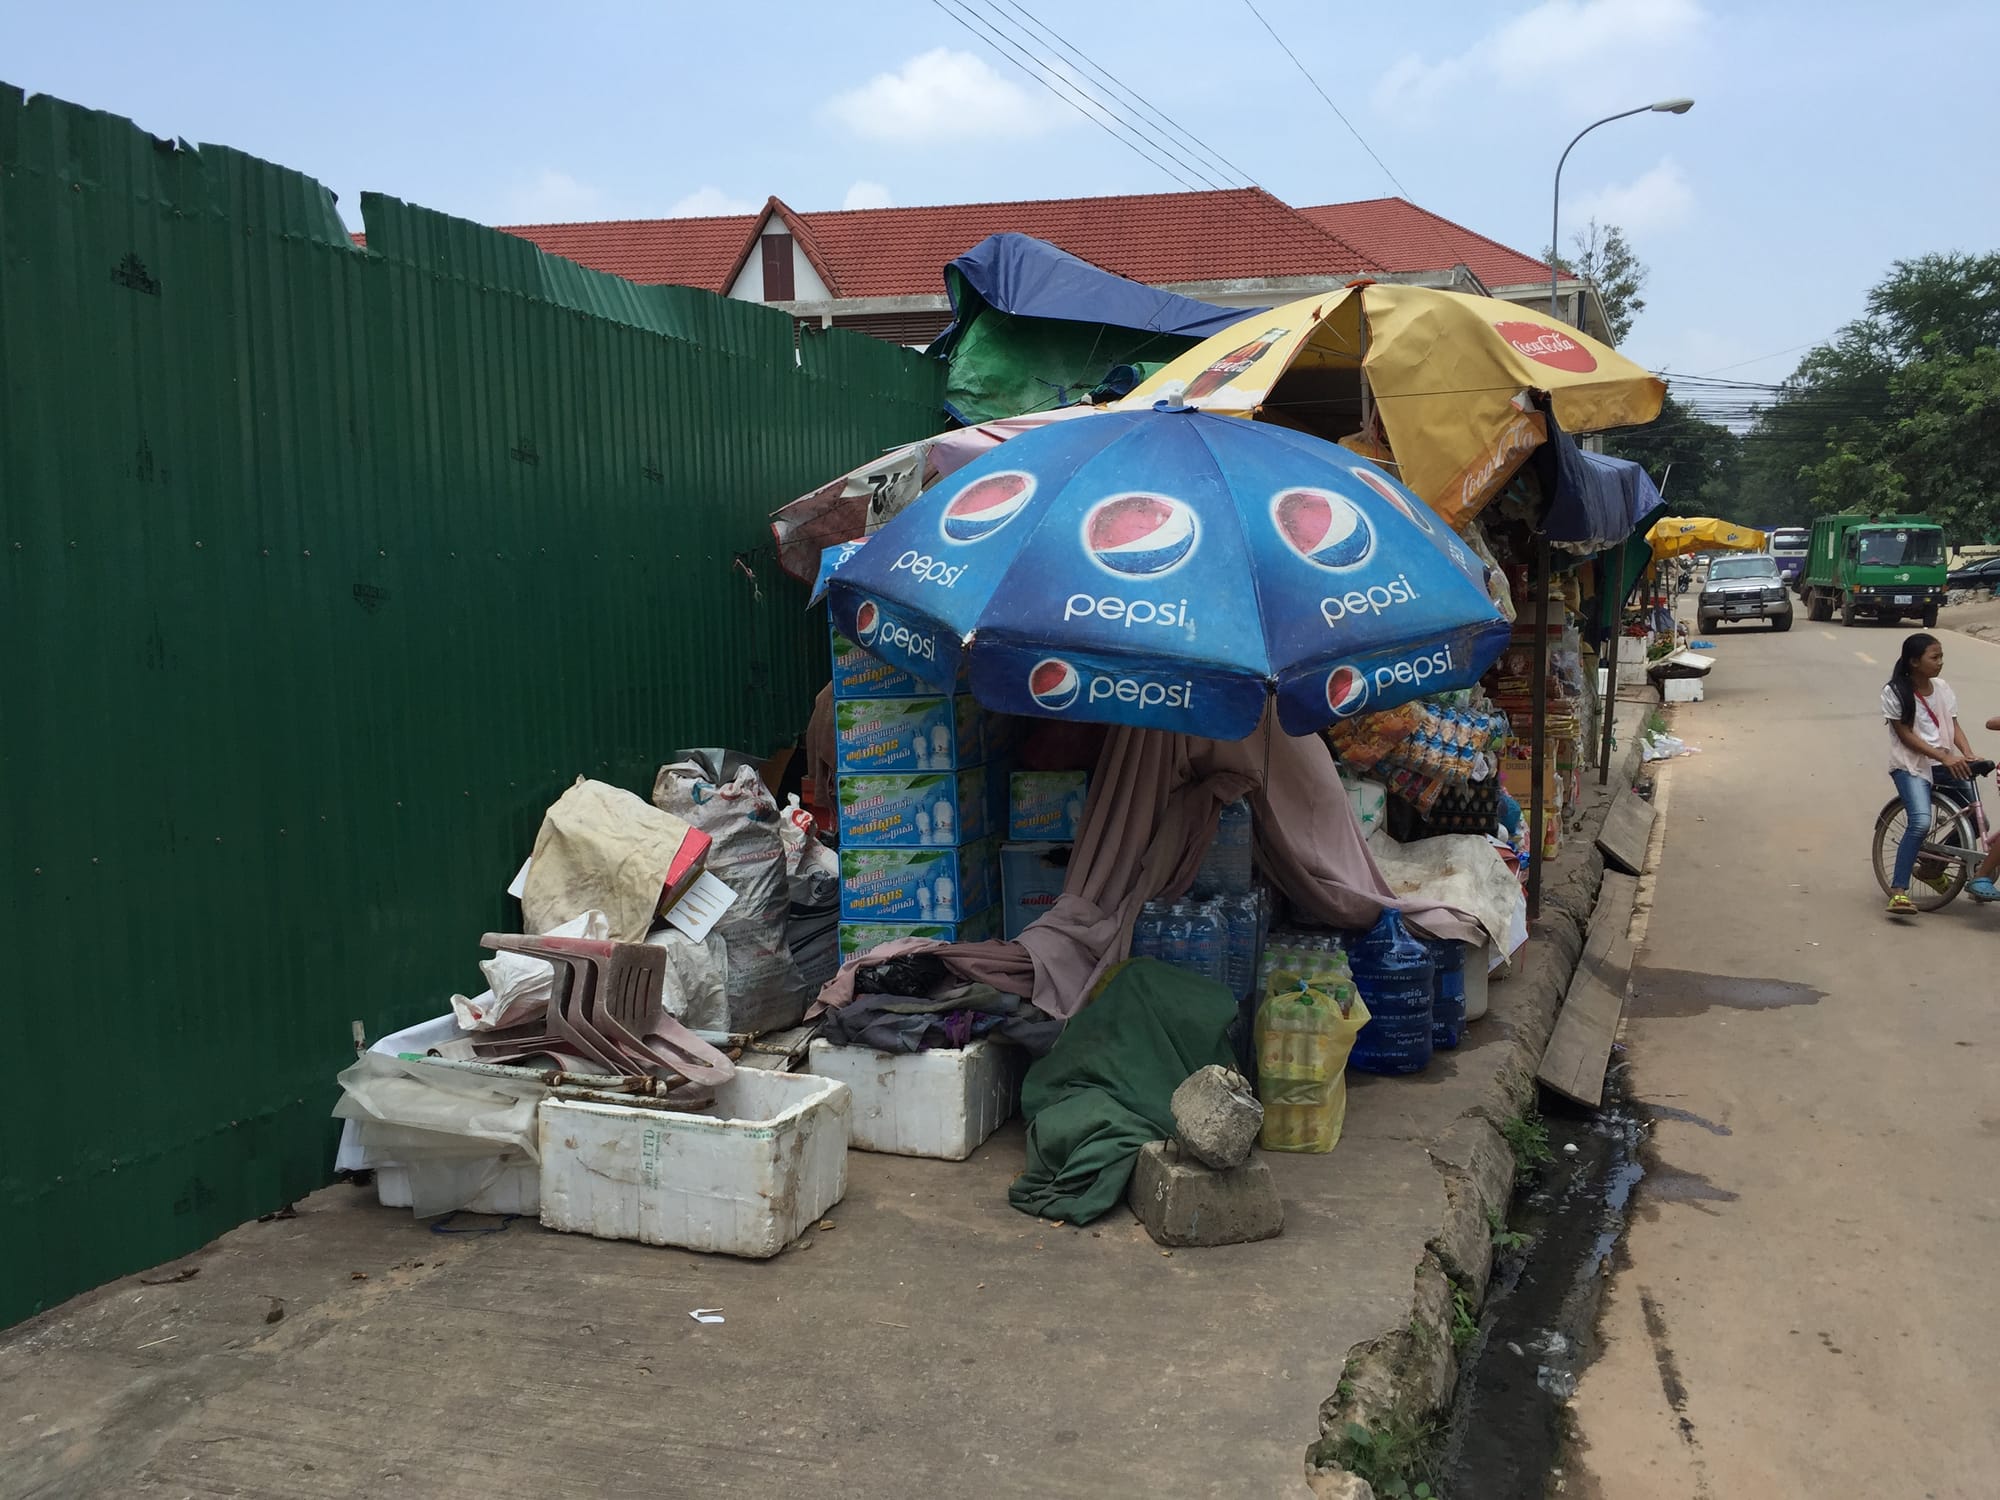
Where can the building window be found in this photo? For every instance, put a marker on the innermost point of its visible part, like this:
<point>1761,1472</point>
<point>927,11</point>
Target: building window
<point>777,250</point>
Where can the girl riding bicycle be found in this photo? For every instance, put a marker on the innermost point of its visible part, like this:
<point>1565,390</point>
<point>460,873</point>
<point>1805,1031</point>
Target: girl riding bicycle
<point>1927,749</point>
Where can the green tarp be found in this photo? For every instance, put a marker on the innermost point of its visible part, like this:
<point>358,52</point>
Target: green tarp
<point>1106,1087</point>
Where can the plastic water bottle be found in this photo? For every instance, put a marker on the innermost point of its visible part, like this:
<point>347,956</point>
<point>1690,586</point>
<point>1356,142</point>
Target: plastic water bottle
<point>1395,973</point>
<point>1225,869</point>
<point>1148,931</point>
<point>1206,942</point>
<point>1241,913</point>
<point>1175,935</point>
<point>1448,1004</point>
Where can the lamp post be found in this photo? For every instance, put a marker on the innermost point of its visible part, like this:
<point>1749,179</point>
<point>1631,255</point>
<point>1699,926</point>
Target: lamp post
<point>1664,107</point>
<point>1539,672</point>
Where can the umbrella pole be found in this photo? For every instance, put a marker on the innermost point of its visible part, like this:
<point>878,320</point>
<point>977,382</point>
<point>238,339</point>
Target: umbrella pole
<point>1615,640</point>
<point>1538,754</point>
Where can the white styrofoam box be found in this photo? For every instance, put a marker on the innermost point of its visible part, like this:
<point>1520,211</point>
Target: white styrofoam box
<point>944,1102</point>
<point>744,1177</point>
<point>517,1189</point>
<point>1632,650</point>
<point>1478,970</point>
<point>1680,690</point>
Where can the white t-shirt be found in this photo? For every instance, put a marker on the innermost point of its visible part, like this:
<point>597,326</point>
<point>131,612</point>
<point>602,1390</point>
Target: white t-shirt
<point>1935,718</point>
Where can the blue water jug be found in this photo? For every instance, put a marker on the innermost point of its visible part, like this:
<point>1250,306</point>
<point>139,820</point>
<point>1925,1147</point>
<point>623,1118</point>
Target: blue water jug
<point>1396,976</point>
<point>1225,869</point>
<point>1448,1002</point>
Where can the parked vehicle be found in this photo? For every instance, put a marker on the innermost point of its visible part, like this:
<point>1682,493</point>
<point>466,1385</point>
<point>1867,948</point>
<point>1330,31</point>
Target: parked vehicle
<point>1983,575</point>
<point>1789,545</point>
<point>1745,587</point>
<point>1891,568</point>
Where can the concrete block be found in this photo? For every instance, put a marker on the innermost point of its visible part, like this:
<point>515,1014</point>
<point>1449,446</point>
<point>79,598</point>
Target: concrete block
<point>1217,1116</point>
<point>1182,1202</point>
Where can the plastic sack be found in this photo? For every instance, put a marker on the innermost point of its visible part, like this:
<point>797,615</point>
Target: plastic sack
<point>812,869</point>
<point>765,991</point>
<point>455,1130</point>
<point>1303,1037</point>
<point>696,991</point>
<point>601,848</point>
<point>519,988</point>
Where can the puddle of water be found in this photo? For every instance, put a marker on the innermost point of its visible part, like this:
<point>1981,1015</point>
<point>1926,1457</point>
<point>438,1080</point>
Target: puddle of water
<point>1685,992</point>
<point>1687,1116</point>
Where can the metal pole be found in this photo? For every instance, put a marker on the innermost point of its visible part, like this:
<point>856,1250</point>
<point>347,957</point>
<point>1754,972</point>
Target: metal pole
<point>1666,106</point>
<point>1615,640</point>
<point>1538,725</point>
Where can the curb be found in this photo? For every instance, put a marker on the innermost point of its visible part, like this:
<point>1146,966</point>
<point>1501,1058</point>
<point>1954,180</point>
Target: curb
<point>1409,1373</point>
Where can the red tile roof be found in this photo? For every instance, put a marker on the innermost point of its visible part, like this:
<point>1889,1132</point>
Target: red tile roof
<point>1156,238</point>
<point>653,252</point>
<point>1396,235</point>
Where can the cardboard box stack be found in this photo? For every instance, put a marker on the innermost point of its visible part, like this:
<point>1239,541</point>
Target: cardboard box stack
<point>1044,809</point>
<point>919,846</point>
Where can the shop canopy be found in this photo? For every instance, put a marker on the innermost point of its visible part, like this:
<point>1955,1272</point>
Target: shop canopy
<point>1597,501</point>
<point>1034,327</point>
<point>1449,396</point>
<point>1678,536</point>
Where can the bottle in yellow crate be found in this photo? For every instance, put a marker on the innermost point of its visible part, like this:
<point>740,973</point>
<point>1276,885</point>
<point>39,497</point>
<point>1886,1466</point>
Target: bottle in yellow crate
<point>1305,1028</point>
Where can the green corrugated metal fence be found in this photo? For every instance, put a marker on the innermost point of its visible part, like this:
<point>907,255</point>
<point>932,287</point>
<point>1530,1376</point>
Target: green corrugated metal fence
<point>322,571</point>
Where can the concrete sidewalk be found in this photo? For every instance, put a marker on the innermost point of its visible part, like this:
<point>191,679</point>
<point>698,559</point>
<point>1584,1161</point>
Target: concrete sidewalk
<point>931,1342</point>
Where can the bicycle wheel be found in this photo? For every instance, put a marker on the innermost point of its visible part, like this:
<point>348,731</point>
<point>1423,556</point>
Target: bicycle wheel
<point>1953,869</point>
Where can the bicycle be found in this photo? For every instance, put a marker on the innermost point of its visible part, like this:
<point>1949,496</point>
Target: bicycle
<point>1956,846</point>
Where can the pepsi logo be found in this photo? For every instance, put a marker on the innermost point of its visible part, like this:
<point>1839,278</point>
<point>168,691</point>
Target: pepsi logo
<point>1548,346</point>
<point>1139,536</point>
<point>1346,691</point>
<point>985,505</point>
<point>1054,684</point>
<point>1412,508</point>
<point>867,621</point>
<point>1323,528</point>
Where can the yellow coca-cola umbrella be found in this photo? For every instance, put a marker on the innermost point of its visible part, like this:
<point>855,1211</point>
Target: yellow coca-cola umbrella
<point>1435,383</point>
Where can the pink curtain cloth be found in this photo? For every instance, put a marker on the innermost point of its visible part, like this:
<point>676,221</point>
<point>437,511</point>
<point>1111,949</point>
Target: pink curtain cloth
<point>1154,802</point>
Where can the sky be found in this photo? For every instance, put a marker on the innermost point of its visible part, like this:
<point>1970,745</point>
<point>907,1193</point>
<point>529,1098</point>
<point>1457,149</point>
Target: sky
<point>1828,139</point>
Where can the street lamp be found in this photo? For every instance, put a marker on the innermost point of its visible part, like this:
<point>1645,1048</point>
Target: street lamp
<point>1664,107</point>
<point>1538,686</point>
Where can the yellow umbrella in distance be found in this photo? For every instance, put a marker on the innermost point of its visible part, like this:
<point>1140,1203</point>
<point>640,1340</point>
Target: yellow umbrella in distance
<point>1678,535</point>
<point>1448,374</point>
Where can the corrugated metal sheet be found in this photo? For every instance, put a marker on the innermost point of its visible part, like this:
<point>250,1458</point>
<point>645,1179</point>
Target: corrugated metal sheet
<point>322,571</point>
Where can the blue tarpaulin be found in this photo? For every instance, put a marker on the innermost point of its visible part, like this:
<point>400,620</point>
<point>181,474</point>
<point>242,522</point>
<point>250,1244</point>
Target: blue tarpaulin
<point>1598,500</point>
<point>1030,278</point>
<point>1033,327</point>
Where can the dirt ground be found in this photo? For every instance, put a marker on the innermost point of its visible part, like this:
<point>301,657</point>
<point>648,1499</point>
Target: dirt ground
<point>1804,1306</point>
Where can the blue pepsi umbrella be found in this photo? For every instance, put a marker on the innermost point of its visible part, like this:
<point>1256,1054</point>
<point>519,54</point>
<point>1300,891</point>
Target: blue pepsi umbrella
<point>1172,570</point>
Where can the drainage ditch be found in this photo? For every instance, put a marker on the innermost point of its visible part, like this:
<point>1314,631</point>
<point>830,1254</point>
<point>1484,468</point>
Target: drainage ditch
<point>1536,1332</point>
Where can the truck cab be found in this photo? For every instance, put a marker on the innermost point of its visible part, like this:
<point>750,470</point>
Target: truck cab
<point>1889,568</point>
<point>1789,545</point>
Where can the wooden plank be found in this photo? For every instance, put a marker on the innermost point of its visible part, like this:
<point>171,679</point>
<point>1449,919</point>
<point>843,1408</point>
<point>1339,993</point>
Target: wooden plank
<point>1628,829</point>
<point>1573,1063</point>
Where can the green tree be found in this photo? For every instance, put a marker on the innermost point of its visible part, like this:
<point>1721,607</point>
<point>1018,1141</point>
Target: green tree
<point>1899,411</point>
<point>1695,462</point>
<point>1602,256</point>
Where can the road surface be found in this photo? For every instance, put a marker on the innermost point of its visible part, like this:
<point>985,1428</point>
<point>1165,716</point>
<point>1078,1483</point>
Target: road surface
<point>1805,1303</point>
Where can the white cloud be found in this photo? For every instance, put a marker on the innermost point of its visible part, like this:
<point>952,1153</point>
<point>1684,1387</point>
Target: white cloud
<point>940,93</point>
<point>866,194</point>
<point>1655,200</point>
<point>551,197</point>
<point>709,203</point>
<point>1575,45</point>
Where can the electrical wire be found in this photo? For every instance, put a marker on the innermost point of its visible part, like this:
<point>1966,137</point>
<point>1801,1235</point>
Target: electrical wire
<point>1453,258</point>
<point>1077,99</point>
<point>1216,158</point>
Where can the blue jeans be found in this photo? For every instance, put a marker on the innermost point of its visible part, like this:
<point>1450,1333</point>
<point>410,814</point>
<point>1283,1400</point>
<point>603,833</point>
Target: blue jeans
<point>1916,794</point>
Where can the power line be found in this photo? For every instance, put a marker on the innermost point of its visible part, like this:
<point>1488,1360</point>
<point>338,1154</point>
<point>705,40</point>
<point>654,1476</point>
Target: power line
<point>1451,251</point>
<point>975,23</point>
<point>1167,121</point>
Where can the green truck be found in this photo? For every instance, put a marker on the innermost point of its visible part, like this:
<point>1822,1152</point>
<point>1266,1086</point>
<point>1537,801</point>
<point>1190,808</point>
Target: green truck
<point>1888,567</point>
